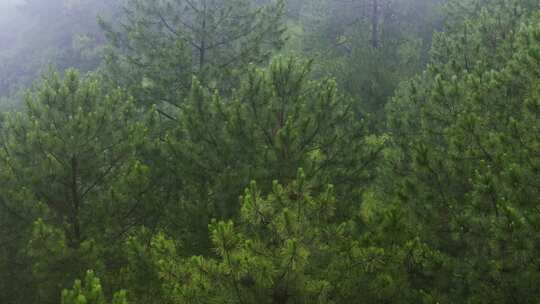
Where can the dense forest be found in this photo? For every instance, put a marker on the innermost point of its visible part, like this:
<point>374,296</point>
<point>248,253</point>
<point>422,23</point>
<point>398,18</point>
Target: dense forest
<point>269,151</point>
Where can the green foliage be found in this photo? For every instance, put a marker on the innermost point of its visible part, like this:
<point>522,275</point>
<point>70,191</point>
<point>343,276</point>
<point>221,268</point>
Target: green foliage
<point>369,46</point>
<point>72,140</point>
<point>141,275</point>
<point>266,259</point>
<point>291,247</point>
<point>277,122</point>
<point>466,167</point>
<point>163,44</point>
<point>70,164</point>
<point>90,292</point>
<point>150,191</point>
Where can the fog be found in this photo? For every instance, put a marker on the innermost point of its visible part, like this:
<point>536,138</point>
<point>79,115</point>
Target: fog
<point>35,34</point>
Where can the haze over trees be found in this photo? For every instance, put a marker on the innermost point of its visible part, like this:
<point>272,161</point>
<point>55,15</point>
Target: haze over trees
<point>268,151</point>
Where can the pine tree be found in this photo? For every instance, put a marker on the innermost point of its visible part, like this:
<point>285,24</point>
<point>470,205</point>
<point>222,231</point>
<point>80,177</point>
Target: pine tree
<point>69,160</point>
<point>90,292</point>
<point>465,169</point>
<point>277,122</point>
<point>267,259</point>
<point>290,246</point>
<point>369,46</point>
<point>161,45</point>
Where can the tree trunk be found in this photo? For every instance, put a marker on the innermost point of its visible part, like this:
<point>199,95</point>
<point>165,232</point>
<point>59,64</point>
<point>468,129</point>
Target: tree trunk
<point>76,201</point>
<point>202,51</point>
<point>375,24</point>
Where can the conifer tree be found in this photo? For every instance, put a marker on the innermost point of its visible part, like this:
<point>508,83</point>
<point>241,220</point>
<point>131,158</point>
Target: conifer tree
<point>290,246</point>
<point>277,122</point>
<point>266,259</point>
<point>162,44</point>
<point>369,46</point>
<point>69,159</point>
<point>465,169</point>
<point>90,292</point>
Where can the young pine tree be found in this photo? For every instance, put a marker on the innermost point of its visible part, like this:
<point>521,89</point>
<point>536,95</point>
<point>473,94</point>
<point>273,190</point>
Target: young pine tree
<point>90,292</point>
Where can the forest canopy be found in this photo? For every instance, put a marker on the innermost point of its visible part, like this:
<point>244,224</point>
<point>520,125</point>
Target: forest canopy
<point>269,151</point>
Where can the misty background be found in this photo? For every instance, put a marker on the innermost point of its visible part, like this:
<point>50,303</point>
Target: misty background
<point>36,34</point>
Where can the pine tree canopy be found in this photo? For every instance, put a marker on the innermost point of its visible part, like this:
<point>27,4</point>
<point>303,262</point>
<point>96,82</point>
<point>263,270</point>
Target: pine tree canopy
<point>270,152</point>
